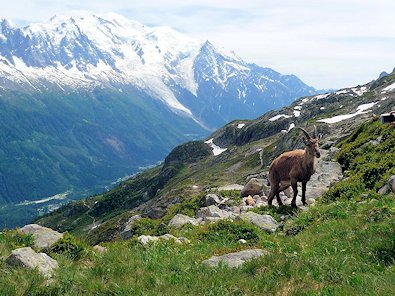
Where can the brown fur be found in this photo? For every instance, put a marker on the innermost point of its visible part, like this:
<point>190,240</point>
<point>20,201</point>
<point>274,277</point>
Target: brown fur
<point>292,167</point>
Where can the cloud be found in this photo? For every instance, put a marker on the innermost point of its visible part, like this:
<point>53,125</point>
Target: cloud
<point>328,44</point>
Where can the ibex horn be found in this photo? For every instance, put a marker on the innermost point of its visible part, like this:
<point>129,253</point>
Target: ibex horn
<point>315,133</point>
<point>305,133</point>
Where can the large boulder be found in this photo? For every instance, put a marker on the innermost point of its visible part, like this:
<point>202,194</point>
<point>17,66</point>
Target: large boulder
<point>43,237</point>
<point>266,222</point>
<point>28,258</point>
<point>233,260</point>
<point>180,220</point>
<point>253,187</point>
<point>212,211</point>
<point>126,232</point>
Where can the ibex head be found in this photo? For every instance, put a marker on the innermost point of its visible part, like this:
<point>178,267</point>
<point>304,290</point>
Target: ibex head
<point>311,143</point>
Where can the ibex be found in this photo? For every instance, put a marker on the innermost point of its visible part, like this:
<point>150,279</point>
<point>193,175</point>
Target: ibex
<point>292,167</point>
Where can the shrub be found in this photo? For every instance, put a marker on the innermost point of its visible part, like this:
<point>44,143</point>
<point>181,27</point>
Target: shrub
<point>69,247</point>
<point>17,239</point>
<point>144,226</point>
<point>228,231</point>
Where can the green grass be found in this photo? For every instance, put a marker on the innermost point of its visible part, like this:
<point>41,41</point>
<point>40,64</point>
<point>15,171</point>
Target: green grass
<point>346,249</point>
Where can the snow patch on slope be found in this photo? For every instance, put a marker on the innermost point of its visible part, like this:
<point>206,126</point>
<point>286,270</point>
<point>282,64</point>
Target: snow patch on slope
<point>216,149</point>
<point>361,109</point>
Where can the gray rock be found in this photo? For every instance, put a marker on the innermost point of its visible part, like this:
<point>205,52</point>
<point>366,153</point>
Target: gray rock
<point>214,212</point>
<point>391,183</point>
<point>180,220</point>
<point>43,237</point>
<point>265,222</point>
<point>253,187</point>
<point>387,188</point>
<point>211,199</point>
<point>245,208</point>
<point>28,258</point>
<point>126,232</point>
<point>146,239</point>
<point>384,190</point>
<point>234,260</point>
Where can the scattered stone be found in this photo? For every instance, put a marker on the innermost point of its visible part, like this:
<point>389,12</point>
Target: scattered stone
<point>265,222</point>
<point>99,249</point>
<point>146,239</point>
<point>28,258</point>
<point>253,187</point>
<point>126,232</point>
<point>391,183</point>
<point>234,260</point>
<point>242,241</point>
<point>387,188</point>
<point>214,212</point>
<point>43,237</point>
<point>212,199</point>
<point>384,190</point>
<point>310,201</point>
<point>249,201</point>
<point>180,220</point>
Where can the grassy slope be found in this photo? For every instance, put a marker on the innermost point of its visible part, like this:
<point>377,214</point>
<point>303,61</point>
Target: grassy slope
<point>345,245</point>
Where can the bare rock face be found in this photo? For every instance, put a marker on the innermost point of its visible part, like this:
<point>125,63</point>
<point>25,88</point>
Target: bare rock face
<point>43,237</point>
<point>234,260</point>
<point>180,220</point>
<point>28,258</point>
<point>253,187</point>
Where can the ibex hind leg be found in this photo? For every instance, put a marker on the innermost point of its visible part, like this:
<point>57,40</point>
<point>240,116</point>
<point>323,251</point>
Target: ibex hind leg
<point>282,187</point>
<point>294,185</point>
<point>273,191</point>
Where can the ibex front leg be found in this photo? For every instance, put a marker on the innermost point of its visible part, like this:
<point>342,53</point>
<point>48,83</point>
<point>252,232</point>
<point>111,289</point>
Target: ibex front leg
<point>304,193</point>
<point>294,185</point>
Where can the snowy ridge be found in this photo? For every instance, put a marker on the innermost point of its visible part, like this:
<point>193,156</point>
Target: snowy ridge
<point>191,77</point>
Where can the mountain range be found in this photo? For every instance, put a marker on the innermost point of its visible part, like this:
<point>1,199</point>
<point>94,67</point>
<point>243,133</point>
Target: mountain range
<point>88,99</point>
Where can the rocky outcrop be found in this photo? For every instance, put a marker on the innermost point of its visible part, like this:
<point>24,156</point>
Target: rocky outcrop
<point>265,222</point>
<point>146,239</point>
<point>234,260</point>
<point>28,258</point>
<point>253,187</point>
<point>126,232</point>
<point>180,220</point>
<point>43,237</point>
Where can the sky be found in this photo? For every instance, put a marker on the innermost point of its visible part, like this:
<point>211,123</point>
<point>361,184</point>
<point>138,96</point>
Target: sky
<point>326,43</point>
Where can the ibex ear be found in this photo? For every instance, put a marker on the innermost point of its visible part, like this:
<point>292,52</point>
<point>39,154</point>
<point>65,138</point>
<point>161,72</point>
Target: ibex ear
<point>305,141</point>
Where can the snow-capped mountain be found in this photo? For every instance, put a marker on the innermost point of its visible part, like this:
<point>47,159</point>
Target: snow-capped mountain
<point>109,51</point>
<point>87,99</point>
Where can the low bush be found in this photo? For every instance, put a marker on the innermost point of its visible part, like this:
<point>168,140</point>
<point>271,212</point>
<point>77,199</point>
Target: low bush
<point>230,232</point>
<point>16,239</point>
<point>69,247</point>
